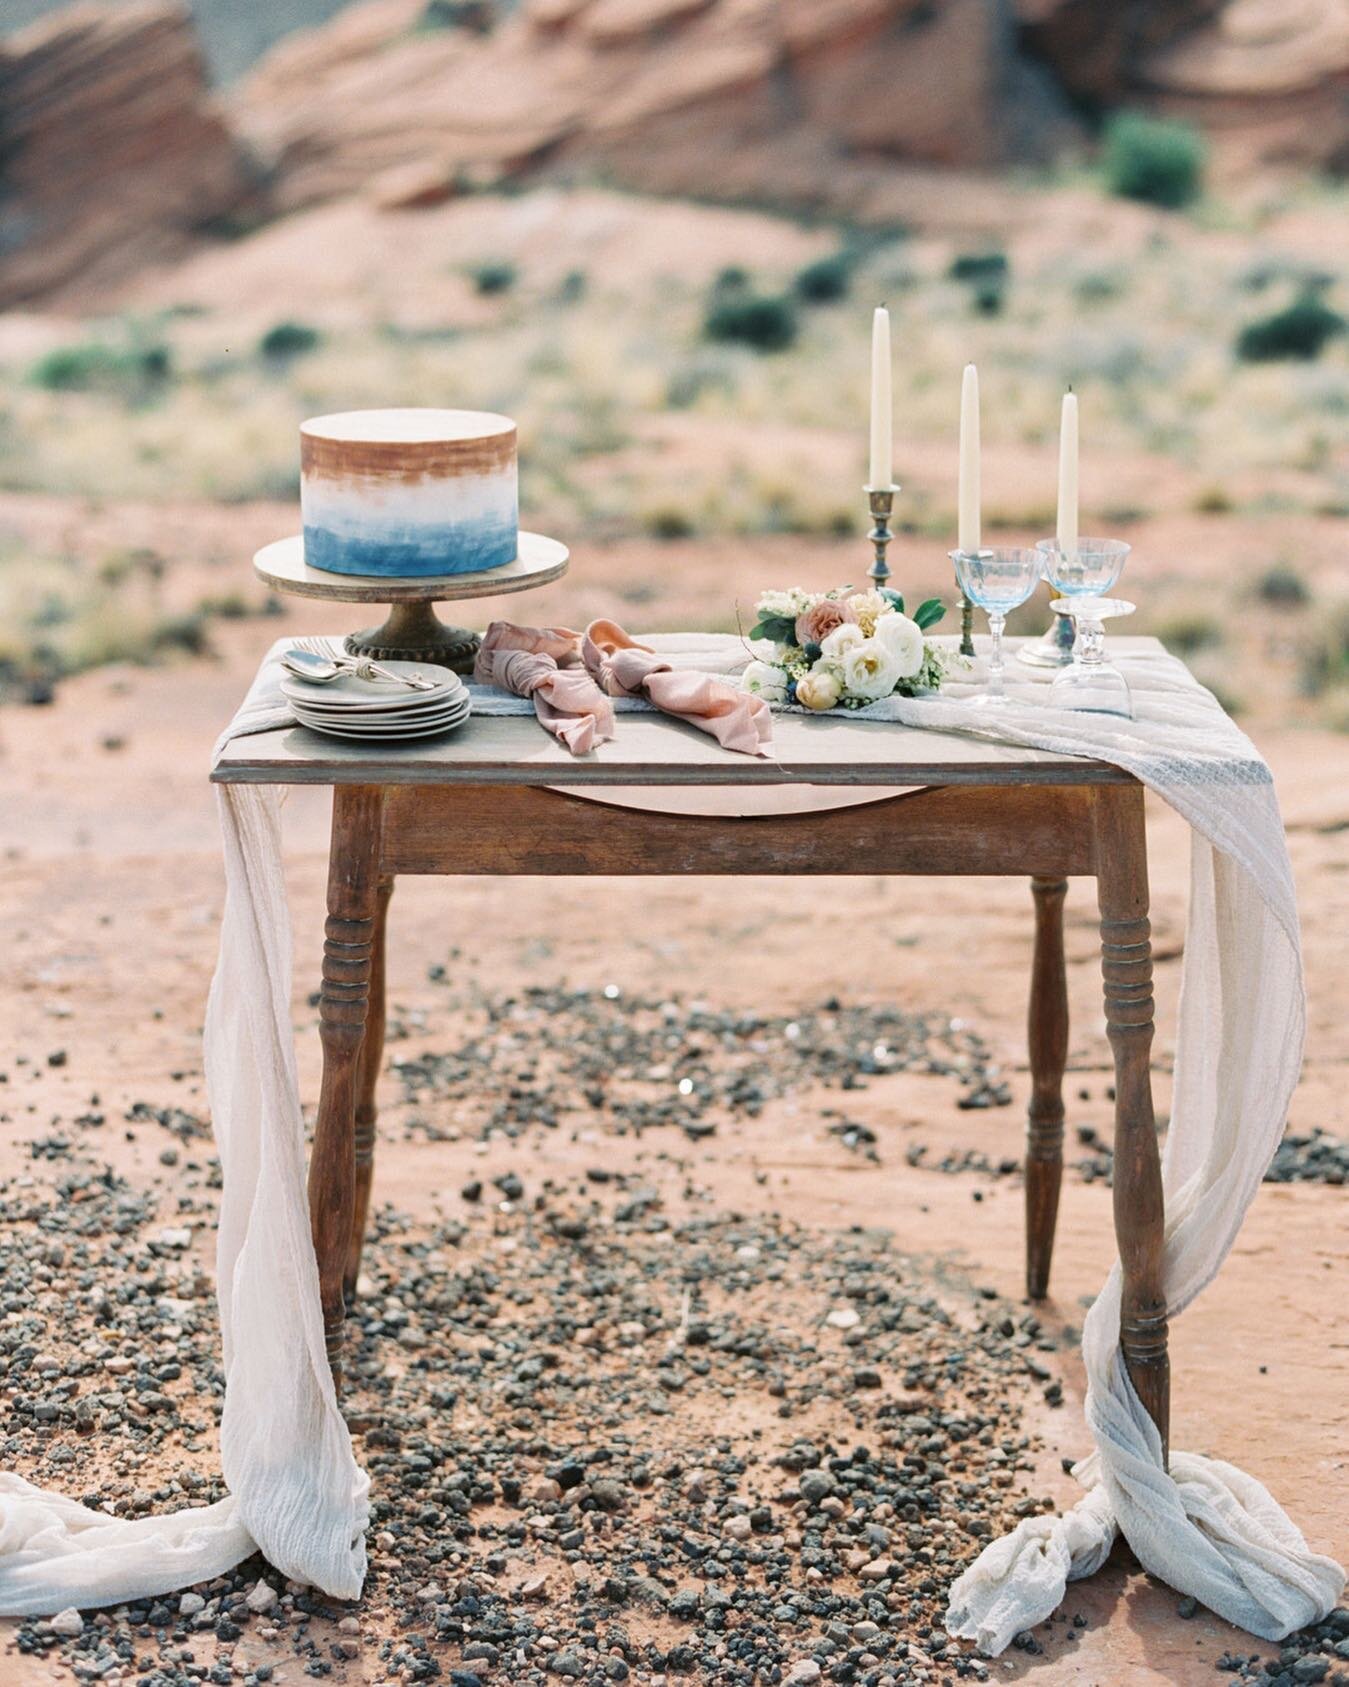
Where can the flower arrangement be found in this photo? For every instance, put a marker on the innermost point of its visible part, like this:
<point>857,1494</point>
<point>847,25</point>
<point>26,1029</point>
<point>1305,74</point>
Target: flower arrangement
<point>844,649</point>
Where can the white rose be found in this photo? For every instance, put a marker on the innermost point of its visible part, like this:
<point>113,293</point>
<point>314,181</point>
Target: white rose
<point>870,671</point>
<point>841,641</point>
<point>868,607</point>
<point>903,639</point>
<point>819,689</point>
<point>766,680</point>
<point>789,603</point>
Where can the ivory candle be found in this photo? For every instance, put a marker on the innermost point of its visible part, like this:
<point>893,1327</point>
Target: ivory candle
<point>1067,526</point>
<point>967,529</point>
<point>882,447</point>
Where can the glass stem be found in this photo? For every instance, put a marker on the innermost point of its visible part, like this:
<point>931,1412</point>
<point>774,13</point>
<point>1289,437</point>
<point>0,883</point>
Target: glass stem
<point>1090,649</point>
<point>996,623</point>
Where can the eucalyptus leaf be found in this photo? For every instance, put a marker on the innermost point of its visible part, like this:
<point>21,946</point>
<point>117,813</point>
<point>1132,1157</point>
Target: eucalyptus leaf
<point>928,614</point>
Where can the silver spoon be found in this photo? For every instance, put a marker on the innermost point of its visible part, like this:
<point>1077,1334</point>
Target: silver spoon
<point>321,670</point>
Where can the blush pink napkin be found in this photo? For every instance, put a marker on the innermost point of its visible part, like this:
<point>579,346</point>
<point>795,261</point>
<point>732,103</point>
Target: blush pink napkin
<point>571,679</point>
<point>543,664</point>
<point>737,719</point>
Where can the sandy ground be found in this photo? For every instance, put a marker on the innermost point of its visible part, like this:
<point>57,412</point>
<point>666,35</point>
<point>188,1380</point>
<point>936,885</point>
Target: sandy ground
<point>109,906</point>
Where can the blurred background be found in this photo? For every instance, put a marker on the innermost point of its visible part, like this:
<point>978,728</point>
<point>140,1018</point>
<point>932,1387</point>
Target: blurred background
<point>654,231</point>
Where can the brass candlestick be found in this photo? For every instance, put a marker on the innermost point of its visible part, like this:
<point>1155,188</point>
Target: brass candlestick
<point>881,500</point>
<point>966,607</point>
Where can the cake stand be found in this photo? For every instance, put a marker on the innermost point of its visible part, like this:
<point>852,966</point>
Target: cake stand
<point>411,631</point>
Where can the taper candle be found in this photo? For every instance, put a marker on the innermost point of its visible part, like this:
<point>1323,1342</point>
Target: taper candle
<point>882,447</point>
<point>1067,526</point>
<point>967,527</point>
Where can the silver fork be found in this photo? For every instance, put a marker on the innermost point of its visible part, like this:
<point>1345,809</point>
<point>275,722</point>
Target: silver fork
<point>362,666</point>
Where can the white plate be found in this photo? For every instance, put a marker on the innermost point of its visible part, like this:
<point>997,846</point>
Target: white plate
<point>382,717</point>
<point>360,723</point>
<point>348,691</point>
<point>388,736</point>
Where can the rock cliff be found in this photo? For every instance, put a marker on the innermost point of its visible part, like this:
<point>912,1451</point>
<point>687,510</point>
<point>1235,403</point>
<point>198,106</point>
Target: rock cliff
<point>112,153</point>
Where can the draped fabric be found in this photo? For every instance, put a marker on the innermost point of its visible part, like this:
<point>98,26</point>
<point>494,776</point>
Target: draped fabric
<point>296,1492</point>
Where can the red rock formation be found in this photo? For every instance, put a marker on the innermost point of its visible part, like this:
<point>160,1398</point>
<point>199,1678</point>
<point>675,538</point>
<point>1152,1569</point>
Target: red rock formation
<point>798,101</point>
<point>112,155</point>
<point>1269,79</point>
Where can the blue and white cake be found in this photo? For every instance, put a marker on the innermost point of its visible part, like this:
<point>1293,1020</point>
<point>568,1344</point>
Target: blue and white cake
<point>409,492</point>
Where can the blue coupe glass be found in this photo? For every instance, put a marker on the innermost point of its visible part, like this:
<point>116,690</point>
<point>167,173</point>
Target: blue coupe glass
<point>997,581</point>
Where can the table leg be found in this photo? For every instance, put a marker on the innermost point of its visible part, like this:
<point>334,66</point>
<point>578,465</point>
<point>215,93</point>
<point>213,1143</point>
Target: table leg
<point>1126,963</point>
<point>1048,1042</point>
<point>353,893</point>
<point>367,1076</point>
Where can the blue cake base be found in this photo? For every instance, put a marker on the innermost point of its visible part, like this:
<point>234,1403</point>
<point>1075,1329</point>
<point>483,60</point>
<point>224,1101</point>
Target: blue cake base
<point>427,554</point>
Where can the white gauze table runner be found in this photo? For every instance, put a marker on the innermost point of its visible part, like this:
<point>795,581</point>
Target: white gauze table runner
<point>296,1492</point>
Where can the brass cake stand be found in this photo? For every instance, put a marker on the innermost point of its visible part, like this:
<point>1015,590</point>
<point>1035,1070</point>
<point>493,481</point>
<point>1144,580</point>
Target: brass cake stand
<point>412,631</point>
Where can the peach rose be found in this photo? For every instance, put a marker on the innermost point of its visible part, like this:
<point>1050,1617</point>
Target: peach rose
<point>816,623</point>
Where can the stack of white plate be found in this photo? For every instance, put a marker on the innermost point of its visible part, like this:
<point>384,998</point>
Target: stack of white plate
<point>351,707</point>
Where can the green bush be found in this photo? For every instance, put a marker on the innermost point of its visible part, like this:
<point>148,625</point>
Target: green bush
<point>477,15</point>
<point>1282,587</point>
<point>1153,159</point>
<point>1300,331</point>
<point>495,276</point>
<point>288,339</point>
<point>826,280</point>
<point>765,321</point>
<point>980,267</point>
<point>129,371</point>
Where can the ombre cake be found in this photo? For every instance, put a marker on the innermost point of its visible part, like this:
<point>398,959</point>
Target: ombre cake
<point>408,492</point>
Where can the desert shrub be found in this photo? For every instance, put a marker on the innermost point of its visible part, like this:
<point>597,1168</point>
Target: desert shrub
<point>1213,500</point>
<point>477,15</point>
<point>130,372</point>
<point>284,340</point>
<point>826,280</point>
<point>572,287</point>
<point>494,276</point>
<point>1325,661</point>
<point>980,267</point>
<point>762,320</point>
<point>181,632</point>
<point>1185,634</point>
<point>1153,159</point>
<point>1283,587</point>
<point>1299,331</point>
<point>732,279</point>
<point>668,521</point>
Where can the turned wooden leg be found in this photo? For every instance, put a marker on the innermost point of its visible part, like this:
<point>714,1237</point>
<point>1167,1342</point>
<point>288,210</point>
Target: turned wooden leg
<point>348,947</point>
<point>1126,960</point>
<point>1048,1039</point>
<point>367,1076</point>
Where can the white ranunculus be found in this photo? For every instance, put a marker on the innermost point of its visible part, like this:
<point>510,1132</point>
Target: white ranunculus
<point>870,671</point>
<point>903,639</point>
<point>841,641</point>
<point>821,688</point>
<point>766,680</point>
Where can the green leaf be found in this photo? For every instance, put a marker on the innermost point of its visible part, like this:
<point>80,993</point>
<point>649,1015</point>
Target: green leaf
<point>894,599</point>
<point>928,614</point>
<point>780,628</point>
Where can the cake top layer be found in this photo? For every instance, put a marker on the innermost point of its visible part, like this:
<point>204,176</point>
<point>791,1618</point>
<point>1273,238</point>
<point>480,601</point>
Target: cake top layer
<point>407,427</point>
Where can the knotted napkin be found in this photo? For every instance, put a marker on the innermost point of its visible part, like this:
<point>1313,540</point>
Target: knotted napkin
<point>571,677</point>
<point>542,663</point>
<point>737,719</point>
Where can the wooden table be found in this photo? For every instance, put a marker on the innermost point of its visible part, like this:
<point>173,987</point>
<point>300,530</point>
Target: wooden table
<point>487,800</point>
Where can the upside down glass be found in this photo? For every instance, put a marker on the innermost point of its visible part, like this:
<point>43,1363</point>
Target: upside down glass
<point>997,581</point>
<point>1083,576</point>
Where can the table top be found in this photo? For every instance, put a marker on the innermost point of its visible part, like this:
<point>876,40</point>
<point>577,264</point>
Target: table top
<point>653,750</point>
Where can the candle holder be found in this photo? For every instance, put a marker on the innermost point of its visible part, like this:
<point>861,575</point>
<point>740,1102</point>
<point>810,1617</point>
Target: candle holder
<point>963,603</point>
<point>880,500</point>
<point>1054,650</point>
